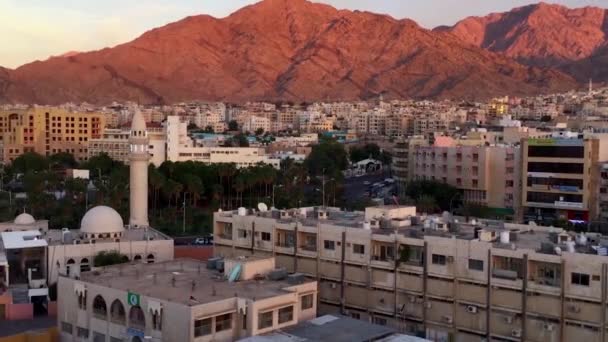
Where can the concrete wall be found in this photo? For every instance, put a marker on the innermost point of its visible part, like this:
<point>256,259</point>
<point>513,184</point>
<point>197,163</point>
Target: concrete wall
<point>48,335</point>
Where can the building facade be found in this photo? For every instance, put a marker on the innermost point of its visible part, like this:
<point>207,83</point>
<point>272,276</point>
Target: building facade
<point>182,300</point>
<point>561,178</point>
<point>438,278</point>
<point>49,130</point>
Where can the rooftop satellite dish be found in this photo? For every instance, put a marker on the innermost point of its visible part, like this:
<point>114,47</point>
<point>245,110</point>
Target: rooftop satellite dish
<point>262,207</point>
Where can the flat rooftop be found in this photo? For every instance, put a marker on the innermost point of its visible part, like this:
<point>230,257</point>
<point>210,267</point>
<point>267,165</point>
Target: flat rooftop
<point>56,236</point>
<point>334,328</point>
<point>23,239</point>
<point>179,280</point>
<point>530,237</point>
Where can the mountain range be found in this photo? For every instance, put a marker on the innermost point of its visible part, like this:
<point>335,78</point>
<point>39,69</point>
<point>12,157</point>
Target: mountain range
<point>301,51</point>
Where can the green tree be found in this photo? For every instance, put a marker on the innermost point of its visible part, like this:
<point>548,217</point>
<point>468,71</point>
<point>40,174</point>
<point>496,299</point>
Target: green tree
<point>426,204</point>
<point>29,162</point>
<point>108,258</point>
<point>233,125</point>
<point>259,131</point>
<point>328,157</point>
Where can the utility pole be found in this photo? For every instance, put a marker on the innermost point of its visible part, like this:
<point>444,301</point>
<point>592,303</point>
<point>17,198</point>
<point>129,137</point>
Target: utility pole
<point>184,215</point>
<point>323,179</point>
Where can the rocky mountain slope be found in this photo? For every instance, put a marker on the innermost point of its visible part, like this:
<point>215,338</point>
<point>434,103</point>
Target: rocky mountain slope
<point>282,49</point>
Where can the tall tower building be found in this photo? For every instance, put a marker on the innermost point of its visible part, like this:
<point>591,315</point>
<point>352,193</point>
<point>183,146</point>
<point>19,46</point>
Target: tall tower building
<point>139,158</point>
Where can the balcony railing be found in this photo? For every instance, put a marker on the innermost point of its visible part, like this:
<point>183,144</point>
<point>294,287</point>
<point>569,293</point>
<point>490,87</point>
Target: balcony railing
<point>309,248</point>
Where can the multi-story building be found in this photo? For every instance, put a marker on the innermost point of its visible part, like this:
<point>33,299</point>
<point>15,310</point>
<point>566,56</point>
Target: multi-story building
<point>603,193</point>
<point>48,130</point>
<point>488,175</point>
<point>180,147</point>
<point>561,177</point>
<point>401,160</point>
<point>115,143</point>
<point>183,300</point>
<point>434,276</point>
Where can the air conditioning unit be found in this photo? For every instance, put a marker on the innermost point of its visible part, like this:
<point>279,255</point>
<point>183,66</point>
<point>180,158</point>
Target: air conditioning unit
<point>427,305</point>
<point>516,332</point>
<point>333,285</point>
<point>450,259</point>
<point>412,299</point>
<point>548,327</point>
<point>472,309</point>
<point>448,319</point>
<point>509,320</point>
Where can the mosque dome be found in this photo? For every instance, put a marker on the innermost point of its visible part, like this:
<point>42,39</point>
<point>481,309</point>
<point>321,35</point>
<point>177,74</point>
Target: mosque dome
<point>101,220</point>
<point>24,219</point>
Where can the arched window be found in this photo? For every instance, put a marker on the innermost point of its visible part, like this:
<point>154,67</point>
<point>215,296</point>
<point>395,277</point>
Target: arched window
<point>137,258</point>
<point>69,266</point>
<point>117,312</point>
<point>84,265</point>
<point>100,310</point>
<point>137,318</point>
<point>150,259</point>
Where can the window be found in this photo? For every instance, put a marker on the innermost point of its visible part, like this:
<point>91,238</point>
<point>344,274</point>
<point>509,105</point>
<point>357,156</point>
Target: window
<point>330,245</point>
<point>580,279</point>
<point>438,259</point>
<point>223,322</point>
<point>286,314</point>
<point>82,332</point>
<point>98,337</point>
<point>355,315</point>
<point>307,302</point>
<point>66,328</point>
<point>265,236</point>
<point>242,233</point>
<point>476,265</point>
<point>265,320</point>
<point>379,320</point>
<point>137,318</point>
<point>117,312</point>
<point>358,249</point>
<point>99,308</point>
<point>202,327</point>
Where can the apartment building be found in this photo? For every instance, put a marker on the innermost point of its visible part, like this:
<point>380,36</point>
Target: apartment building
<point>434,276</point>
<point>488,175</point>
<point>48,130</point>
<point>181,147</point>
<point>401,160</point>
<point>562,177</point>
<point>183,300</point>
<point>115,143</point>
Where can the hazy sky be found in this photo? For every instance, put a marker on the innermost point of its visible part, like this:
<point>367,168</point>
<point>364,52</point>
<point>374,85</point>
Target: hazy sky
<point>37,29</point>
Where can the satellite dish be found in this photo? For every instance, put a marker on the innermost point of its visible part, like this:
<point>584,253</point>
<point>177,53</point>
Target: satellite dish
<point>262,207</point>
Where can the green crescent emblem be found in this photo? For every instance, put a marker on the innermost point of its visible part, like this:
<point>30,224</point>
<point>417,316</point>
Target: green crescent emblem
<point>133,299</point>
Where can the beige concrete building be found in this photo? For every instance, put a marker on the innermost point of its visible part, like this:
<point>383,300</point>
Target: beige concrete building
<point>48,130</point>
<point>488,175</point>
<point>183,300</point>
<point>562,178</point>
<point>434,276</point>
<point>115,143</point>
<point>180,148</point>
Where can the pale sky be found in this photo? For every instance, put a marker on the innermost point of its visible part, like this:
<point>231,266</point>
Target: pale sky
<point>36,29</point>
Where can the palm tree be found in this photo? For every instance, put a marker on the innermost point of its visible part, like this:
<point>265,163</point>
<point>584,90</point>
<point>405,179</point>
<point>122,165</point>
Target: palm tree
<point>194,186</point>
<point>156,181</point>
<point>427,204</point>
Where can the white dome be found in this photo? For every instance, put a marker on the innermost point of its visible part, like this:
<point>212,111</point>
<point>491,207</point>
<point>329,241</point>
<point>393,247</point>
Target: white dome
<point>24,219</point>
<point>101,220</point>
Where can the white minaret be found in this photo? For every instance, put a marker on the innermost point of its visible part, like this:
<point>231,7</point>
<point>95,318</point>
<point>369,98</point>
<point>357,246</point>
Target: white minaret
<point>139,159</point>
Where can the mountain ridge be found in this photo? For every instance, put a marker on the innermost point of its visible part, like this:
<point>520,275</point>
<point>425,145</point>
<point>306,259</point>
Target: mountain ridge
<point>280,50</point>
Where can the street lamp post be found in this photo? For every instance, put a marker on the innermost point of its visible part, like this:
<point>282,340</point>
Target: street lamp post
<point>184,215</point>
<point>274,186</point>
